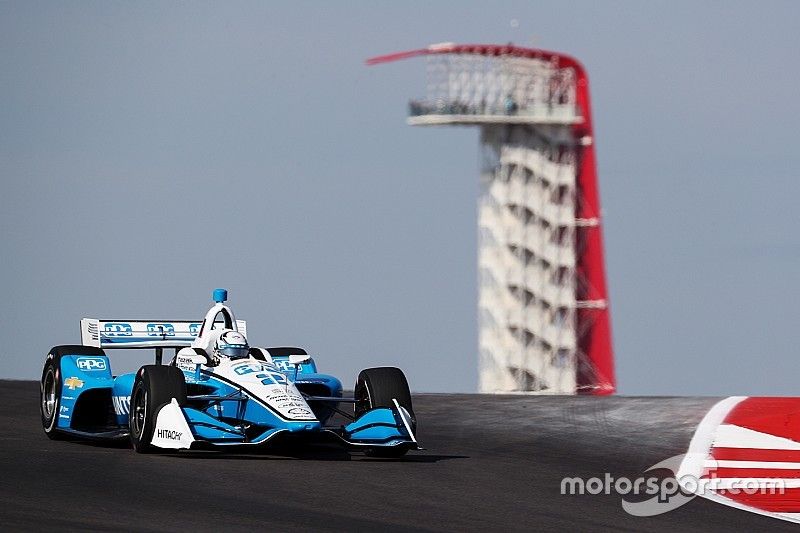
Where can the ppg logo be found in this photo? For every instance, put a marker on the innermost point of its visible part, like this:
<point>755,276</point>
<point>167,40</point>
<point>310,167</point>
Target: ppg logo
<point>117,329</point>
<point>91,364</point>
<point>249,368</point>
<point>284,365</point>
<point>194,330</point>
<point>160,330</point>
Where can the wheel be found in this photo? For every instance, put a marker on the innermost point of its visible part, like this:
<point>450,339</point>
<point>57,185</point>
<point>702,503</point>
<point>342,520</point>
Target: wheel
<point>50,385</point>
<point>50,396</point>
<point>154,386</point>
<point>377,387</point>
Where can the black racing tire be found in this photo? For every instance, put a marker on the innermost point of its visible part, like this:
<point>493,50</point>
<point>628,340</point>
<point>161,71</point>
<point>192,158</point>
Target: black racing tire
<point>153,387</point>
<point>50,385</point>
<point>377,387</point>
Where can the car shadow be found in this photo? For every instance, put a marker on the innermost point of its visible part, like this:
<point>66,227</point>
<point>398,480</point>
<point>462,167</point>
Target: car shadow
<point>424,458</point>
<point>112,444</point>
<point>311,455</point>
<point>307,452</point>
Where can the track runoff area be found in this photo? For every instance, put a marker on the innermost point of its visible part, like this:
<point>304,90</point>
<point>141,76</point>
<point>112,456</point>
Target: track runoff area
<point>516,463</point>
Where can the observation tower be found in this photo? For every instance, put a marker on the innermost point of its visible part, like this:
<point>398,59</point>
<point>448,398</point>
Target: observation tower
<point>544,324</point>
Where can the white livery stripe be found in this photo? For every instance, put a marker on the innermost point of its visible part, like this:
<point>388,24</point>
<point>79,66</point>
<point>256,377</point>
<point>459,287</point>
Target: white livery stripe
<point>732,436</point>
<point>692,464</point>
<point>752,464</point>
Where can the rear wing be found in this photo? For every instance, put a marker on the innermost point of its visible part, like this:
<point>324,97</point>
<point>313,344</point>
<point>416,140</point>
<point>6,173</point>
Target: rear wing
<point>143,333</point>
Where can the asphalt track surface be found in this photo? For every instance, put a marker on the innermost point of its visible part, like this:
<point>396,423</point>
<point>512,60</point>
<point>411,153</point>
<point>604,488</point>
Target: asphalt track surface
<point>491,463</point>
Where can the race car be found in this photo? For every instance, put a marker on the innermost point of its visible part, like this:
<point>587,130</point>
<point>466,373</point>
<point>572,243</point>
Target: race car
<point>217,391</point>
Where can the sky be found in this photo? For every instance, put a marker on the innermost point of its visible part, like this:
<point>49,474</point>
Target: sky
<point>152,151</point>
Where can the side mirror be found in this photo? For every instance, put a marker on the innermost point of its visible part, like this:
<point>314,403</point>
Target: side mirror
<point>297,359</point>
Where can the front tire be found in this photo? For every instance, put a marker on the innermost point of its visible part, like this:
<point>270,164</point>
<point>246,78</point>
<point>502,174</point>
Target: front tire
<point>153,387</point>
<point>50,385</point>
<point>377,387</point>
<point>50,397</point>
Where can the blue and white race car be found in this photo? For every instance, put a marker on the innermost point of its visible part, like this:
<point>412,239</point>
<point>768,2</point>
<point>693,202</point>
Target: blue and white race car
<point>217,391</point>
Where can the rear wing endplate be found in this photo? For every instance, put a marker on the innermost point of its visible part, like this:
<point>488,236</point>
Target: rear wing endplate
<point>143,333</point>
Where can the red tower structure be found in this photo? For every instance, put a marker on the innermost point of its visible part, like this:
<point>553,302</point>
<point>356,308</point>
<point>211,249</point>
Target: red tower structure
<point>544,314</point>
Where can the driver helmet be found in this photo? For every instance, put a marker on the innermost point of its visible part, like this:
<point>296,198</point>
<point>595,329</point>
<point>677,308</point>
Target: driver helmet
<point>231,344</point>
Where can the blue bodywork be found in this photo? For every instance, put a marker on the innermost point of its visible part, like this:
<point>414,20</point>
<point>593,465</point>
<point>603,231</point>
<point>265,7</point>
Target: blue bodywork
<point>81,374</point>
<point>218,412</point>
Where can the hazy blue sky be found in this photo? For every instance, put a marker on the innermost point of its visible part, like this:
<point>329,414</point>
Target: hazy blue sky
<point>150,152</point>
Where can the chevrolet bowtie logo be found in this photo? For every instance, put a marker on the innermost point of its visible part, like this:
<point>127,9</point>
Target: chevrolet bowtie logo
<point>73,383</point>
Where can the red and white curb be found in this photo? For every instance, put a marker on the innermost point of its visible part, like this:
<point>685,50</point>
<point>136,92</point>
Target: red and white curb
<point>746,454</point>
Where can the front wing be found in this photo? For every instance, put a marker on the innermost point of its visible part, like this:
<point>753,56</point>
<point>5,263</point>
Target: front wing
<point>187,428</point>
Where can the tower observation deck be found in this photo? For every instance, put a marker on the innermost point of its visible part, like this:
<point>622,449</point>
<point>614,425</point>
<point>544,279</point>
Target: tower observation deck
<point>544,322</point>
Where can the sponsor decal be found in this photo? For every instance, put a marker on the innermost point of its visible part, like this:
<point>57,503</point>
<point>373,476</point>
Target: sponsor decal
<point>169,434</point>
<point>299,411</point>
<point>266,375</point>
<point>63,416</point>
<point>185,363</point>
<point>160,330</point>
<point>284,366</point>
<point>64,397</point>
<point>122,404</point>
<point>250,368</point>
<point>283,401</point>
<point>247,368</point>
<point>194,329</point>
<point>64,409</point>
<point>91,364</point>
<point>117,329</point>
<point>73,383</point>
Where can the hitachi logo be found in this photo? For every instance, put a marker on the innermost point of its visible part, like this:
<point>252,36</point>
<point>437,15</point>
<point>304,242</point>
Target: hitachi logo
<point>168,434</point>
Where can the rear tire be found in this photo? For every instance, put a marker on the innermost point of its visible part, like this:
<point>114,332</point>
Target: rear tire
<point>153,387</point>
<point>50,386</point>
<point>377,387</point>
